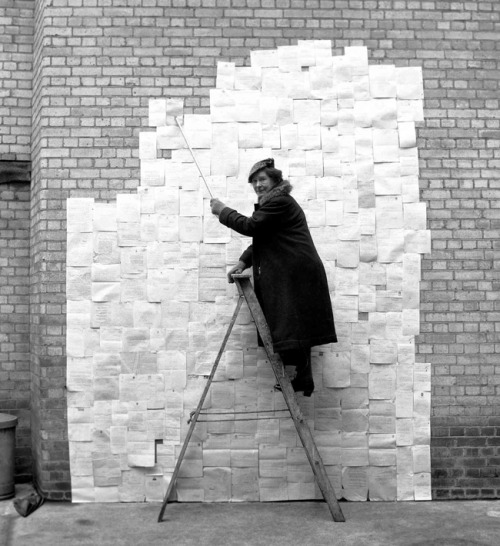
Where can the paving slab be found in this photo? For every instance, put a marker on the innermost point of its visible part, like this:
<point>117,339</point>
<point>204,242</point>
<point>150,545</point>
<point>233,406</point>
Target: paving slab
<point>443,523</point>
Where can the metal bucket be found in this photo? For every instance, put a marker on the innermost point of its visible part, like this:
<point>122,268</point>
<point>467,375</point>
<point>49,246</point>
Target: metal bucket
<point>7,444</point>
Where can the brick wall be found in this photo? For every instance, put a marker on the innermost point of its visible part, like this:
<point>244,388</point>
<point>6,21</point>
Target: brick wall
<point>46,287</point>
<point>16,47</point>
<point>460,289</point>
<point>14,318</point>
<point>99,66</point>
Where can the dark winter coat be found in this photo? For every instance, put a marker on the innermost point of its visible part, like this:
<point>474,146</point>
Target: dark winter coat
<point>289,277</point>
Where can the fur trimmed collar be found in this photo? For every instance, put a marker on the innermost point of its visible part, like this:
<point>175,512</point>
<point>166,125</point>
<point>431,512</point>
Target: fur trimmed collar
<point>282,189</point>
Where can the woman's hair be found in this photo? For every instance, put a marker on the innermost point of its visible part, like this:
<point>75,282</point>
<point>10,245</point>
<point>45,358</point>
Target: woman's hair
<point>274,174</point>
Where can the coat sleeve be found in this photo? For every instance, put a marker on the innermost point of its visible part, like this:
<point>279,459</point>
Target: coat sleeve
<point>247,256</point>
<point>265,220</point>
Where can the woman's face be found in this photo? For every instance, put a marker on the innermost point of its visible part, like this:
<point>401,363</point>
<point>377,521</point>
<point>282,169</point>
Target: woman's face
<point>262,183</point>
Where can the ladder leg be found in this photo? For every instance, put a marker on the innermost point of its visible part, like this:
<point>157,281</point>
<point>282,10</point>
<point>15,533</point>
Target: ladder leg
<point>303,430</point>
<point>196,414</point>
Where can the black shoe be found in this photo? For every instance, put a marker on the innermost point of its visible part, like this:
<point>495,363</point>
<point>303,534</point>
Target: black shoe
<point>307,387</point>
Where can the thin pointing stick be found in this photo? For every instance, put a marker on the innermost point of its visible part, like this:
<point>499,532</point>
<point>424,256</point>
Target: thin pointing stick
<point>204,180</point>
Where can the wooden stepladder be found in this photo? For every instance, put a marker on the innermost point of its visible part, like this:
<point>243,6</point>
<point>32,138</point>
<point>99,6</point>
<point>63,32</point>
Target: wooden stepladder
<point>247,293</point>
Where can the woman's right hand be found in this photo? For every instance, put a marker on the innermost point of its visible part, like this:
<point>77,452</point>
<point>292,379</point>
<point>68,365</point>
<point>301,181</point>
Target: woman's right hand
<point>216,205</point>
<point>236,270</point>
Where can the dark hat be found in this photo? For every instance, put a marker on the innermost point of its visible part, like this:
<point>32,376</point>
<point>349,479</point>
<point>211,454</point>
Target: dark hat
<point>259,166</point>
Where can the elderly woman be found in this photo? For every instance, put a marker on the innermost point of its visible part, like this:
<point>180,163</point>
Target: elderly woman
<point>289,278</point>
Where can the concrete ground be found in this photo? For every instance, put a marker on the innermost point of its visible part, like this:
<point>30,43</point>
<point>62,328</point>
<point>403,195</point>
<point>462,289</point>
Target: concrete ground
<point>443,523</point>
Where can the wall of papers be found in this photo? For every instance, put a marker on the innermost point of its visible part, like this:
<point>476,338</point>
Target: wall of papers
<point>148,301</point>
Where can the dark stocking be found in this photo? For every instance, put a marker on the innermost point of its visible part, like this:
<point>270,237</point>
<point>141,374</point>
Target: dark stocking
<point>301,359</point>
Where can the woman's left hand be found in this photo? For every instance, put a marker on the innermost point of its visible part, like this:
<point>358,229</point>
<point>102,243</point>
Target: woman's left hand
<point>216,205</point>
